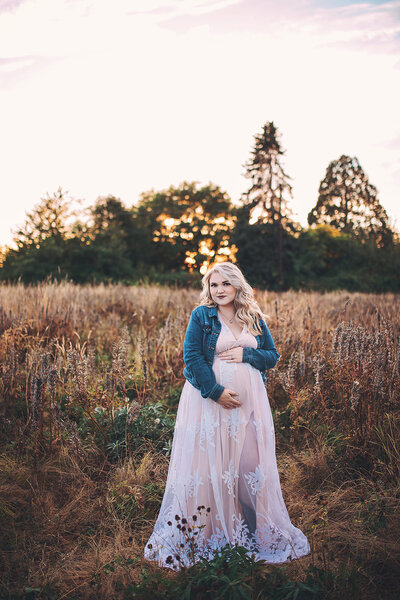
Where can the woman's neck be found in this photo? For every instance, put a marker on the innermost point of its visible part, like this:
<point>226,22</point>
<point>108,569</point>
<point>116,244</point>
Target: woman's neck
<point>228,311</point>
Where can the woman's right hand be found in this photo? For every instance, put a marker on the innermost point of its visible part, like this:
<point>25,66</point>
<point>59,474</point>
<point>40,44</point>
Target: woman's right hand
<point>226,399</point>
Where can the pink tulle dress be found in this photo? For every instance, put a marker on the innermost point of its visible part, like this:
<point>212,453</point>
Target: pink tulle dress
<point>223,478</point>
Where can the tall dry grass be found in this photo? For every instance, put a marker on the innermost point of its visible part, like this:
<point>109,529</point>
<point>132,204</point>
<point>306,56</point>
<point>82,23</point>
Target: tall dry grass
<point>74,522</point>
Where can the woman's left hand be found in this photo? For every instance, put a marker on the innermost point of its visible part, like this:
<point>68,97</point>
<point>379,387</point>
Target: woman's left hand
<point>234,355</point>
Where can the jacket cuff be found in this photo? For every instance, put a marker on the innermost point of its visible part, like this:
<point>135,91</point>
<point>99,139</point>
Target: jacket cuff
<point>247,354</point>
<point>216,392</point>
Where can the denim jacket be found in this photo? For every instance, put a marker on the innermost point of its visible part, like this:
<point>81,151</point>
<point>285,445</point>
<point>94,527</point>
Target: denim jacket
<point>199,348</point>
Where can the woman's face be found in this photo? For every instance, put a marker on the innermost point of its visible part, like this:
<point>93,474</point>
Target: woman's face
<point>222,292</point>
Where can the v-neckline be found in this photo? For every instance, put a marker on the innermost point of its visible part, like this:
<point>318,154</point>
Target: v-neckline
<point>227,326</point>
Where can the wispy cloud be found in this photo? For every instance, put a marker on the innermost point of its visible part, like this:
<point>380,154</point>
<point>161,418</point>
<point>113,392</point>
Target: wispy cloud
<point>7,65</point>
<point>393,143</point>
<point>61,26</point>
<point>177,7</point>
<point>357,25</point>
<point>17,69</point>
<point>10,5</point>
<point>367,27</point>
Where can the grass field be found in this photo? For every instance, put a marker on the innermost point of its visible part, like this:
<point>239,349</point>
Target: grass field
<point>90,381</point>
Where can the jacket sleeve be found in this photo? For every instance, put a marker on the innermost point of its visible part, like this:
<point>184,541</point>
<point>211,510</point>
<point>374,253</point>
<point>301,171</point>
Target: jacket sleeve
<point>195,360</point>
<point>266,356</point>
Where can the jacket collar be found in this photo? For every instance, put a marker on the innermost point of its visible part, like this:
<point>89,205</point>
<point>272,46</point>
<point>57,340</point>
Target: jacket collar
<point>212,311</point>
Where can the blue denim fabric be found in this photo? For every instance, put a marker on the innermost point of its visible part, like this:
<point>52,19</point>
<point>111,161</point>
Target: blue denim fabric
<point>199,348</point>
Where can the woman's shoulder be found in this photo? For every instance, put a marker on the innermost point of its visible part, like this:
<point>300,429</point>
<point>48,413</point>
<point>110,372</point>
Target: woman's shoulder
<point>263,324</point>
<point>203,313</point>
<point>201,309</point>
<point>198,313</point>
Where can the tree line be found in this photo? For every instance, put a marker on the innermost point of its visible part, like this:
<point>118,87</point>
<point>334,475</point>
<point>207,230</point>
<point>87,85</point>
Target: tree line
<point>171,236</point>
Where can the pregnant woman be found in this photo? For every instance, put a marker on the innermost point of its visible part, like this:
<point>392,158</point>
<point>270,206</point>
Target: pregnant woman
<point>223,484</point>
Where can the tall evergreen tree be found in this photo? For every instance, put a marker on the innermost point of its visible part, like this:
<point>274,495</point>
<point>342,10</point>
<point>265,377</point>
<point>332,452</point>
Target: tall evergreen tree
<point>265,215</point>
<point>267,198</point>
<point>348,202</point>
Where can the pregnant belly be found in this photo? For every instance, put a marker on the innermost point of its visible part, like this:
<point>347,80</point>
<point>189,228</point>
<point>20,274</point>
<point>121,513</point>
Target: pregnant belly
<point>235,376</point>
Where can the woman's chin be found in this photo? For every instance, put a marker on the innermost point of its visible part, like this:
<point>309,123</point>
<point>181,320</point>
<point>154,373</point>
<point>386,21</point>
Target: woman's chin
<point>223,302</point>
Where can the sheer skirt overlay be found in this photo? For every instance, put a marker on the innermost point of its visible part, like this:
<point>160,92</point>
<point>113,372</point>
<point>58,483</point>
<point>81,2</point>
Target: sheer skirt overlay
<point>225,460</point>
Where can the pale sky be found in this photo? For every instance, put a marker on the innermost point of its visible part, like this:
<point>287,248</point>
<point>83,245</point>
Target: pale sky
<point>123,96</point>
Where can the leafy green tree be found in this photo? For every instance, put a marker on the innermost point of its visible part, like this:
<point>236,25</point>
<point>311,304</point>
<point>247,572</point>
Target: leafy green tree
<point>328,259</point>
<point>348,202</point>
<point>187,226</point>
<point>47,220</point>
<point>34,263</point>
<point>100,249</point>
<point>258,254</point>
<point>40,242</point>
<point>3,253</point>
<point>110,241</point>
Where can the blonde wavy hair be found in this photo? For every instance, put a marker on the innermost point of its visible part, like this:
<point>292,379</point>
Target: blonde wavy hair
<point>246,308</point>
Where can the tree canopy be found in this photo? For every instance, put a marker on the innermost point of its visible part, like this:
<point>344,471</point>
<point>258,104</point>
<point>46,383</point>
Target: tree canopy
<point>190,225</point>
<point>173,235</point>
<point>47,220</point>
<point>348,202</point>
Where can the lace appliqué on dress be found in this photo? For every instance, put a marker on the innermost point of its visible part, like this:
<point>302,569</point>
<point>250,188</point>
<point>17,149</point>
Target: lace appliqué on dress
<point>207,429</point>
<point>256,480</point>
<point>195,481</point>
<point>229,477</point>
<point>234,420</point>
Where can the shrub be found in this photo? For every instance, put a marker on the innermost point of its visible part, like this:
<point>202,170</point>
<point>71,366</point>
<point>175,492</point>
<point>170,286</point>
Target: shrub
<point>130,429</point>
